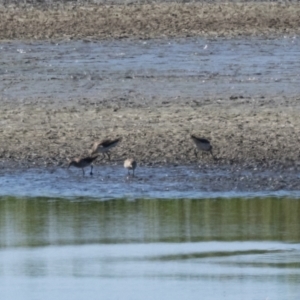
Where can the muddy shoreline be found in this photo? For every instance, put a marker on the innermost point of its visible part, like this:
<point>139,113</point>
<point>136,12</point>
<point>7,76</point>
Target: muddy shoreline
<point>159,20</point>
<point>244,132</point>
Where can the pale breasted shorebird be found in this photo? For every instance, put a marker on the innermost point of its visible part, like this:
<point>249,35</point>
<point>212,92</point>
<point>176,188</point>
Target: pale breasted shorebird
<point>202,144</point>
<point>83,162</point>
<point>104,146</point>
<point>130,164</point>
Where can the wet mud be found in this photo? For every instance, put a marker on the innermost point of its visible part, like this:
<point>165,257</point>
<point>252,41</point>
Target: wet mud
<point>258,132</point>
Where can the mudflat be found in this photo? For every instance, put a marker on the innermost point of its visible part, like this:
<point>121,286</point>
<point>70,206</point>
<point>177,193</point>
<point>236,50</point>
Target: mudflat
<point>148,20</point>
<point>244,130</point>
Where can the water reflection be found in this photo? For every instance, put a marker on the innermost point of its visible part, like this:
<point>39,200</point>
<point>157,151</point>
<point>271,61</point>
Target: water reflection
<point>119,249</point>
<point>43,221</point>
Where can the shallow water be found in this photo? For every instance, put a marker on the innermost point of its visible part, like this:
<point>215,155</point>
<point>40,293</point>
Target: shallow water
<point>168,232</point>
<point>111,182</point>
<point>149,248</point>
<point>155,68</point>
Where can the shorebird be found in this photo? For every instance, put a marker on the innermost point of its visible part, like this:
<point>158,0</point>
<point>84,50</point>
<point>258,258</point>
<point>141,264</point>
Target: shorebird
<point>130,164</point>
<point>83,162</point>
<point>202,144</point>
<point>104,146</point>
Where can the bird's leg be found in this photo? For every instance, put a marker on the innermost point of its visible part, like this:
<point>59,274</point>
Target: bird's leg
<point>108,155</point>
<point>212,154</point>
<point>91,173</point>
<point>83,171</point>
<point>132,173</point>
<point>196,153</point>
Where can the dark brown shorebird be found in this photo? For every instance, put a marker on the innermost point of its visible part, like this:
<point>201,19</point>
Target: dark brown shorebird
<point>83,163</point>
<point>104,146</point>
<point>202,144</point>
<point>130,164</point>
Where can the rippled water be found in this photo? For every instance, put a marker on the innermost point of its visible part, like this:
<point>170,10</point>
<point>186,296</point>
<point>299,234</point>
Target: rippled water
<point>144,249</point>
<point>166,68</point>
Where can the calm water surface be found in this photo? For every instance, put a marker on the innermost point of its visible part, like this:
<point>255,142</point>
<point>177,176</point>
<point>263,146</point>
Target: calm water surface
<point>233,248</point>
